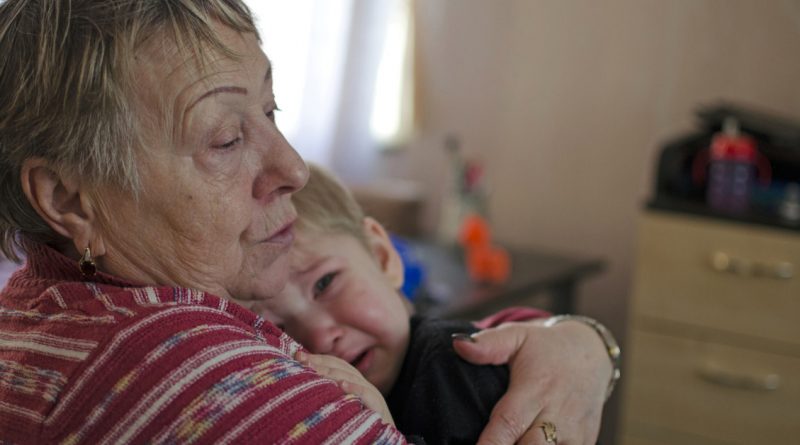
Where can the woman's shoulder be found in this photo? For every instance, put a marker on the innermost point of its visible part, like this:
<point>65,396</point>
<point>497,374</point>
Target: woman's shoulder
<point>160,363</point>
<point>166,310</point>
<point>192,366</point>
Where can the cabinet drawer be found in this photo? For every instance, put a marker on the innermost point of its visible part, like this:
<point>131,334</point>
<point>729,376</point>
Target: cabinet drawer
<point>706,390</point>
<point>719,275</point>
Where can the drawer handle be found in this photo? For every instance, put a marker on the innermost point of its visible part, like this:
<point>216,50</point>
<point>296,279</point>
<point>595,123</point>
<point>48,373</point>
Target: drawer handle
<point>731,378</point>
<point>723,262</point>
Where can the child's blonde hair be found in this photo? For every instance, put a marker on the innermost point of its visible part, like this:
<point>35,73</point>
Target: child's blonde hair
<point>325,205</point>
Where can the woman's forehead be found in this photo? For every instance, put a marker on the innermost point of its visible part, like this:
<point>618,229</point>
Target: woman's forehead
<point>171,77</point>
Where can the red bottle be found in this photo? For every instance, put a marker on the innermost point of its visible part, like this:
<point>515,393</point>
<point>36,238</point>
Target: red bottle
<point>734,166</point>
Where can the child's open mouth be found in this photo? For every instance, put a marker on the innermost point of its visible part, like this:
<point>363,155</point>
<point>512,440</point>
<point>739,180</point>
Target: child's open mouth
<point>363,361</point>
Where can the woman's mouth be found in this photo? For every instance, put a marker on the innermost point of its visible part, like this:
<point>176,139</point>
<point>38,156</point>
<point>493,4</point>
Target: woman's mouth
<point>284,236</point>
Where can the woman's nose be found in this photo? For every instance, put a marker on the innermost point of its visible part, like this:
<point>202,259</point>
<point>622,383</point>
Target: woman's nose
<point>284,171</point>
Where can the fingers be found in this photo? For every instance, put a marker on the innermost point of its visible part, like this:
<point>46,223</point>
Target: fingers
<point>538,433</point>
<point>502,429</point>
<point>369,396</point>
<point>510,419</point>
<point>349,380</point>
<point>313,360</point>
<point>535,436</point>
<point>493,346</point>
<point>557,374</point>
<point>566,433</point>
<point>330,366</point>
<point>514,413</point>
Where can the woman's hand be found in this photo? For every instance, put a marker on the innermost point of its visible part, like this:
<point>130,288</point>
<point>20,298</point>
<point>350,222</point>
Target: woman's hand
<point>349,379</point>
<point>559,374</point>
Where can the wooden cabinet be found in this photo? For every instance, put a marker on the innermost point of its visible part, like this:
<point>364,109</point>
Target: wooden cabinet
<point>713,352</point>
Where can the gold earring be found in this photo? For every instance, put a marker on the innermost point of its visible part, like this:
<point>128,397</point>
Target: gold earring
<point>86,264</point>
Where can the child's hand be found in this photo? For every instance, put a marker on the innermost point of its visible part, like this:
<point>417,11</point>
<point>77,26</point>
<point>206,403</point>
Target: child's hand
<point>349,379</point>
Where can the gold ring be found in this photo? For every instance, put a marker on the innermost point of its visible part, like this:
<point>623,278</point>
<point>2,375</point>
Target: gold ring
<point>549,429</point>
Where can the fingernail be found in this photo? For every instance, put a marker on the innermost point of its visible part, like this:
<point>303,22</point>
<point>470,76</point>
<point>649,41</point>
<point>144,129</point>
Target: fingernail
<point>463,336</point>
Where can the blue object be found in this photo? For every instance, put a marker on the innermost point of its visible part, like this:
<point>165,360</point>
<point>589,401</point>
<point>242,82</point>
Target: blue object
<point>414,271</point>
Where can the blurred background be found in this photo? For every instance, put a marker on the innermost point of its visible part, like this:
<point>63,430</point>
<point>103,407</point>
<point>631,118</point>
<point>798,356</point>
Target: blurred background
<point>583,118</point>
<point>568,107</point>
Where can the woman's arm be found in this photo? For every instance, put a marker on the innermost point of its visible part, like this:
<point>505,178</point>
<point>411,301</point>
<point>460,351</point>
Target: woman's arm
<point>559,374</point>
<point>195,373</point>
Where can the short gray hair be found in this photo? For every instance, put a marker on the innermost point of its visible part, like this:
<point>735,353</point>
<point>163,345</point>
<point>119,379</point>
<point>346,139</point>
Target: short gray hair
<point>66,84</point>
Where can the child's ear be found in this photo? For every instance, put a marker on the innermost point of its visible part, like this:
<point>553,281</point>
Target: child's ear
<point>384,252</point>
<point>63,203</point>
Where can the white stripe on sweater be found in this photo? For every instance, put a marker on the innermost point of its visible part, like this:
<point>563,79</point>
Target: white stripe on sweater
<point>179,380</point>
<point>61,317</point>
<point>56,295</point>
<point>152,357</point>
<point>110,351</point>
<point>214,397</point>
<point>355,428</point>
<point>50,345</point>
<point>152,297</point>
<point>107,302</point>
<point>20,411</point>
<point>233,435</point>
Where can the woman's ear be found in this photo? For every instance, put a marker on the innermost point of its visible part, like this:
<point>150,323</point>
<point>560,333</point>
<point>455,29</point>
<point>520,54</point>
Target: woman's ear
<point>63,203</point>
<point>384,252</point>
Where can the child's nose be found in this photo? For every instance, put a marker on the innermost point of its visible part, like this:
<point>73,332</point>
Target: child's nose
<point>323,335</point>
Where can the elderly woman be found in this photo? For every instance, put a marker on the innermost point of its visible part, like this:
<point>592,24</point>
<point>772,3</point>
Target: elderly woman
<point>143,176</point>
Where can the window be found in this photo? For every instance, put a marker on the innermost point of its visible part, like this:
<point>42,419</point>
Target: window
<point>392,109</point>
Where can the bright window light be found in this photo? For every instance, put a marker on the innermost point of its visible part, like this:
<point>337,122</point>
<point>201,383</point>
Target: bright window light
<point>285,29</point>
<point>391,109</point>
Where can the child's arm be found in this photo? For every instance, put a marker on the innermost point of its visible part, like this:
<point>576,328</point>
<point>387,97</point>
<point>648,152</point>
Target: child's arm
<point>438,395</point>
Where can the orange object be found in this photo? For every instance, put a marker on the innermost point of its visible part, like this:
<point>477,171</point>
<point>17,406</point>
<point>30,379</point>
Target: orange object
<point>474,232</point>
<point>488,264</point>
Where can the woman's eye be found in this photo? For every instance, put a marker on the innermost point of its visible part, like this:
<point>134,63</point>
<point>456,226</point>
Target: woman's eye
<point>228,136</point>
<point>323,283</point>
<point>271,113</point>
<point>229,144</point>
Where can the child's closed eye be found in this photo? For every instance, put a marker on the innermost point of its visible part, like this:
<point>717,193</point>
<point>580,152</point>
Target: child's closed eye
<point>323,283</point>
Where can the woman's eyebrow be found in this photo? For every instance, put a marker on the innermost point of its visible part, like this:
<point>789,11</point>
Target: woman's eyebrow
<point>228,89</point>
<point>222,89</point>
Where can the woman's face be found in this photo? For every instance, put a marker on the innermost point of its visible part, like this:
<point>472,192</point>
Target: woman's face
<point>217,176</point>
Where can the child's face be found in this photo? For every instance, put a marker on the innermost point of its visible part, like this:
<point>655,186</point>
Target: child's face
<point>342,299</point>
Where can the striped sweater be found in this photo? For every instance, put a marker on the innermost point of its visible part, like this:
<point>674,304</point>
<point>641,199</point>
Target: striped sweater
<point>111,362</point>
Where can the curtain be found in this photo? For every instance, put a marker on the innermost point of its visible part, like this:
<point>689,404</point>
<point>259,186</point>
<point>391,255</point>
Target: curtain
<point>307,42</point>
<point>342,91</point>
